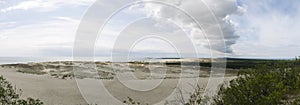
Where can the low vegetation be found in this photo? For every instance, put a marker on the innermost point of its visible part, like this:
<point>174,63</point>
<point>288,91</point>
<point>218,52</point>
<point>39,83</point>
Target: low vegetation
<point>131,101</point>
<point>270,84</point>
<point>9,95</point>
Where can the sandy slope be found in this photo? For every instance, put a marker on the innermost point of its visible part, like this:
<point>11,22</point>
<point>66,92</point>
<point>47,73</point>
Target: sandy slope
<point>51,91</point>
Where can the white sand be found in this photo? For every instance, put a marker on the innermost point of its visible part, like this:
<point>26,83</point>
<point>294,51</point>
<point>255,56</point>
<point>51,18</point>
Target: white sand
<point>51,91</point>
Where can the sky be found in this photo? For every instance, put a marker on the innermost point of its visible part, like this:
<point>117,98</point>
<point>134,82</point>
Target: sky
<point>250,28</point>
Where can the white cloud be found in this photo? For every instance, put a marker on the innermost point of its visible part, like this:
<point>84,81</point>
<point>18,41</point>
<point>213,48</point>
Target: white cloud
<point>45,5</point>
<point>56,34</point>
<point>68,19</point>
<point>269,30</point>
<point>40,38</point>
<point>221,9</point>
<point>255,29</point>
<point>2,1</point>
<point>3,37</point>
<point>164,16</point>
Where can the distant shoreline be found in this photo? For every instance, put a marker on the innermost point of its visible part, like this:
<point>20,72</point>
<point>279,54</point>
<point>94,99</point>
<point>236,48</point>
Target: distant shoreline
<point>15,60</point>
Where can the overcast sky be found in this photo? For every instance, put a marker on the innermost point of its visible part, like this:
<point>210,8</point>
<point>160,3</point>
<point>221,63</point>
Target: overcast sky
<point>251,28</point>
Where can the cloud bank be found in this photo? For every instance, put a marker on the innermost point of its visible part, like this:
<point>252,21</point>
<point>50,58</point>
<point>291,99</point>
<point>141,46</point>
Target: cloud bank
<point>45,5</point>
<point>251,28</point>
<point>222,10</point>
<point>269,29</point>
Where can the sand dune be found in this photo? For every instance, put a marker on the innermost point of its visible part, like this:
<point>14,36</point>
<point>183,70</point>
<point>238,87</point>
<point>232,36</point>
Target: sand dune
<point>57,91</point>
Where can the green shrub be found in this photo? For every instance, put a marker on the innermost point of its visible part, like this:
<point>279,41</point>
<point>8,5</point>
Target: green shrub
<point>196,97</point>
<point>265,85</point>
<point>130,101</point>
<point>9,96</point>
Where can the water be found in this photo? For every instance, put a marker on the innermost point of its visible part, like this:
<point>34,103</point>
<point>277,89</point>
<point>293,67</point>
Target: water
<point>14,60</point>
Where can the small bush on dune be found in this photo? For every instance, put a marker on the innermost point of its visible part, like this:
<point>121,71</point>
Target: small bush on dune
<point>9,96</point>
<point>131,101</point>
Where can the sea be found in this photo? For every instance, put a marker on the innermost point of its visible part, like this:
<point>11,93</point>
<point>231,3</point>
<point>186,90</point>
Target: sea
<point>15,60</point>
